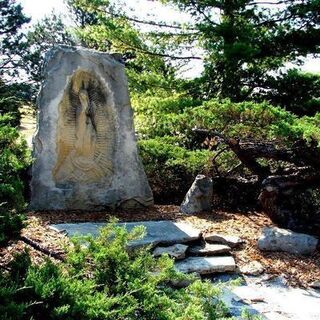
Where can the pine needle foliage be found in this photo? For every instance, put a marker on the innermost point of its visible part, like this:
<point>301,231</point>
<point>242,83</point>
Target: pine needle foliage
<point>105,278</point>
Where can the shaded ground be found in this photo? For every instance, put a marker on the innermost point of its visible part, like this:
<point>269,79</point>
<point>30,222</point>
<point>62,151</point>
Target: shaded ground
<point>296,271</point>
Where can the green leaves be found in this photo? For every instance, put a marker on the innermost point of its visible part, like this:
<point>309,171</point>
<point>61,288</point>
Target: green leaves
<point>112,284</point>
<point>244,41</point>
<point>14,158</point>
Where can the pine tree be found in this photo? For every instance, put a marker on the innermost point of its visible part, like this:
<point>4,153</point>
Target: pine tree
<point>244,40</point>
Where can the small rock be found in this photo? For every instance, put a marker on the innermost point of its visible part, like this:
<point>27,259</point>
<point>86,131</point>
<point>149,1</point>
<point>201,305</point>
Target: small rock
<point>315,284</point>
<point>209,249</point>
<point>276,239</point>
<point>177,251</point>
<point>202,265</point>
<point>253,268</point>
<point>199,196</point>
<point>232,241</point>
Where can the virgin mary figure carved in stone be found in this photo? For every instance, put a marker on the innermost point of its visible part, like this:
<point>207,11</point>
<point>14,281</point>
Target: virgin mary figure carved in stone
<point>85,133</point>
<point>85,137</point>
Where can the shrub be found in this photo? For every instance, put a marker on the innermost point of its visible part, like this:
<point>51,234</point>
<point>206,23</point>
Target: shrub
<point>170,168</point>
<point>157,116</point>
<point>177,116</point>
<point>12,98</point>
<point>295,91</point>
<point>101,279</point>
<point>14,158</point>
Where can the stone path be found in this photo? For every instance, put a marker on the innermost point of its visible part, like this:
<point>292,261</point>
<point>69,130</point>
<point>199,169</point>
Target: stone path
<point>272,300</point>
<point>157,232</point>
<point>206,265</point>
<point>168,233</point>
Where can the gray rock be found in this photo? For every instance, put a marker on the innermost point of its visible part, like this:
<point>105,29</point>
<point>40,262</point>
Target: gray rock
<point>253,268</point>
<point>85,147</point>
<point>315,285</point>
<point>203,265</point>
<point>272,300</point>
<point>276,239</point>
<point>177,251</point>
<point>157,232</point>
<point>232,241</point>
<point>199,196</point>
<point>209,250</point>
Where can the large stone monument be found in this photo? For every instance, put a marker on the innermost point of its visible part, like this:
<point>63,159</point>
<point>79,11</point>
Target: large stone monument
<point>85,148</point>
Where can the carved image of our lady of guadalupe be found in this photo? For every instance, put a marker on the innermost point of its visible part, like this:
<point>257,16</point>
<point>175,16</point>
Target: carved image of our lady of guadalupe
<point>85,138</point>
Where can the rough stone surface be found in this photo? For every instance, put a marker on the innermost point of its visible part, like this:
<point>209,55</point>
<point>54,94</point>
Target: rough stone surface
<point>157,232</point>
<point>206,265</point>
<point>85,147</point>
<point>199,196</point>
<point>315,285</point>
<point>177,251</point>
<point>232,241</point>
<point>209,250</point>
<point>272,300</point>
<point>276,239</point>
<point>253,268</point>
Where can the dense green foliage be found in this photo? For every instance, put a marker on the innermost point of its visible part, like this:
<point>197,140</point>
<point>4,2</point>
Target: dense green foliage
<point>45,34</point>
<point>170,168</point>
<point>245,40</point>
<point>171,149</point>
<point>102,280</point>
<point>14,158</point>
<point>11,20</point>
<point>103,26</point>
<point>298,92</point>
<point>12,94</point>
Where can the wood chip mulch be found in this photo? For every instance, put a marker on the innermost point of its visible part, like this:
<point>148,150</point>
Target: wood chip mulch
<point>297,270</point>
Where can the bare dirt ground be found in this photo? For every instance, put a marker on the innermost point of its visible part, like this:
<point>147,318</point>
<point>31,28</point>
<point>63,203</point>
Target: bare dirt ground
<point>298,271</point>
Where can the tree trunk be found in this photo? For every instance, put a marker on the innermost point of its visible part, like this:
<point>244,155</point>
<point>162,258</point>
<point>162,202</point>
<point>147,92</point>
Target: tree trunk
<point>291,195</point>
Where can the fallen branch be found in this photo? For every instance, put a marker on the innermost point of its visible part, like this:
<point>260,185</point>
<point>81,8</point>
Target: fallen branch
<point>37,246</point>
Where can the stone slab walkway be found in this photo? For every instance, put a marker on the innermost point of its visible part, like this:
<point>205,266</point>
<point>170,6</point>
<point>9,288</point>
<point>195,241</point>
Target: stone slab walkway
<point>157,232</point>
<point>273,300</point>
<point>206,265</point>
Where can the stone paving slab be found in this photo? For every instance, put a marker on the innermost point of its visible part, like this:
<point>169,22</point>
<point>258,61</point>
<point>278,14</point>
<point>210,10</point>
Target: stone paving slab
<point>271,300</point>
<point>209,250</point>
<point>206,265</point>
<point>157,232</point>
<point>229,240</point>
<point>177,251</point>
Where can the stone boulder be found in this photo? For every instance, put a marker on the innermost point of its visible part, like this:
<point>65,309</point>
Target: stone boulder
<point>276,239</point>
<point>85,148</point>
<point>199,196</point>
